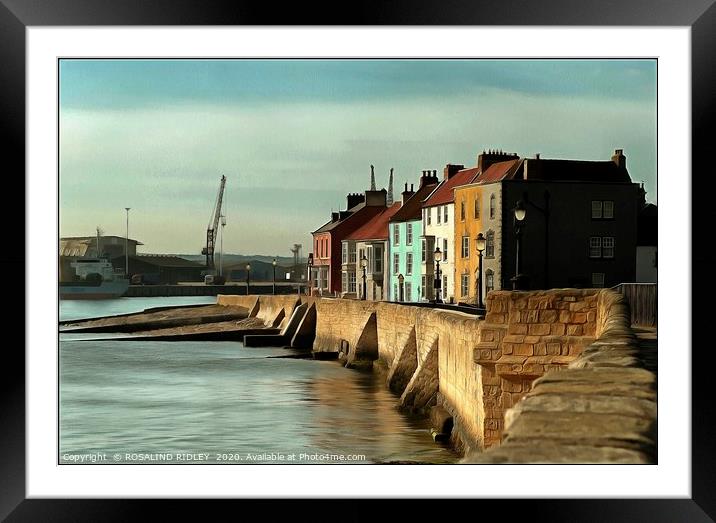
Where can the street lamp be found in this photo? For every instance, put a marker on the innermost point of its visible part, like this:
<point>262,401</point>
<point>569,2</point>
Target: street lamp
<point>364,264</point>
<point>274,275</point>
<point>310,274</point>
<point>438,258</point>
<point>480,244</point>
<point>248,277</point>
<point>519,215</point>
<point>401,296</point>
<point>126,246</point>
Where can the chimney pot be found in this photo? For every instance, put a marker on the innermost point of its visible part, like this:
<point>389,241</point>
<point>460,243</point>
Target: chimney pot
<point>411,187</point>
<point>537,156</point>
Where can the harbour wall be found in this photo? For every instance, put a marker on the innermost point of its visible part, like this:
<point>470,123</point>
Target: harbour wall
<point>478,370</point>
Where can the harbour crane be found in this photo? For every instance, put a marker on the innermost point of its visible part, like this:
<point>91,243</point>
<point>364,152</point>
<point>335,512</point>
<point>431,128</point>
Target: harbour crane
<point>213,226</point>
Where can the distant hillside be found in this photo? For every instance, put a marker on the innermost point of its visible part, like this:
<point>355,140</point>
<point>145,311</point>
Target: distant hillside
<point>235,259</point>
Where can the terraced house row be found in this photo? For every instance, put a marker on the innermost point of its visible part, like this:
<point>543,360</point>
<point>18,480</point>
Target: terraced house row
<point>507,222</point>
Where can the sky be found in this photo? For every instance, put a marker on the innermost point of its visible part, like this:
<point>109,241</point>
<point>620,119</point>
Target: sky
<point>293,137</point>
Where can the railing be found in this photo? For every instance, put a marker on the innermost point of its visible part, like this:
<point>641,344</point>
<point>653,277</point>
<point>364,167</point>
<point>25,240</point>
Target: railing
<point>642,298</point>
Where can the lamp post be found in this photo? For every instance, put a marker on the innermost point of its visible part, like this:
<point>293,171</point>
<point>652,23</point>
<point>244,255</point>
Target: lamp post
<point>274,275</point>
<point>309,284</point>
<point>126,246</point>
<point>248,277</point>
<point>480,244</point>
<point>401,296</point>
<point>364,265</point>
<point>438,258</point>
<point>519,215</point>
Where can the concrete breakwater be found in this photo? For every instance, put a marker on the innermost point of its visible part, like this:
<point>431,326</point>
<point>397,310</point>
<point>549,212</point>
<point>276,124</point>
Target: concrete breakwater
<point>480,377</point>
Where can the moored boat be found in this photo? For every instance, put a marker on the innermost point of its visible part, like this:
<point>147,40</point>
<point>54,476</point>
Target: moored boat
<point>96,279</point>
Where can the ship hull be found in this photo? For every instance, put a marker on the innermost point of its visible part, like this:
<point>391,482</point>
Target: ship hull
<point>104,291</point>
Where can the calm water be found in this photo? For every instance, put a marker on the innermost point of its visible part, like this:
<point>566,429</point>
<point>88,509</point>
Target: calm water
<point>156,402</point>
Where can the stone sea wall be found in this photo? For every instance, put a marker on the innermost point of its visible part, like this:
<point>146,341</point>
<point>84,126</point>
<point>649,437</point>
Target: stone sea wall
<point>485,373</point>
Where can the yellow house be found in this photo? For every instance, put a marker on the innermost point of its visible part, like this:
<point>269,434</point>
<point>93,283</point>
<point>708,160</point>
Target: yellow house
<point>468,224</point>
<point>478,209</point>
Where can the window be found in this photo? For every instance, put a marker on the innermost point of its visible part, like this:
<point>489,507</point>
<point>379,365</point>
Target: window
<point>465,247</point>
<point>462,210</point>
<point>428,214</point>
<point>378,259</point>
<point>602,209</point>
<point>408,291</point>
<point>489,281</point>
<point>601,247</point>
<point>351,252</point>
<point>439,215</point>
<point>492,207</point>
<point>344,281</point>
<point>369,268</point>
<point>409,264</point>
<point>444,213</point>
<point>396,264</point>
<point>445,249</point>
<point>444,293</point>
<point>477,208</point>
<point>598,279</point>
<point>608,247</point>
<point>345,253</point>
<point>490,245</point>
<point>351,282</point>
<point>396,234</point>
<point>395,292</point>
<point>422,287</point>
<point>408,234</point>
<point>423,252</point>
<point>361,254</point>
<point>464,285</point>
<point>608,209</point>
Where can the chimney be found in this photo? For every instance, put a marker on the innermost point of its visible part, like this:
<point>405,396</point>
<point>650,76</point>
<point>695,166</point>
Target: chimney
<point>450,170</point>
<point>372,178</point>
<point>537,156</point>
<point>619,158</point>
<point>334,217</point>
<point>355,199</point>
<point>428,178</point>
<point>486,159</point>
<point>376,198</point>
<point>407,193</point>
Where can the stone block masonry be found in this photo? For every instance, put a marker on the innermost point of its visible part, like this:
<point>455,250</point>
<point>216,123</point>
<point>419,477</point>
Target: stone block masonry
<point>482,371</point>
<point>600,409</point>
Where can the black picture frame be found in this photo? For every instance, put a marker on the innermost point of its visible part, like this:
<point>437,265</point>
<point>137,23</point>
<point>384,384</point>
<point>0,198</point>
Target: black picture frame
<point>700,15</point>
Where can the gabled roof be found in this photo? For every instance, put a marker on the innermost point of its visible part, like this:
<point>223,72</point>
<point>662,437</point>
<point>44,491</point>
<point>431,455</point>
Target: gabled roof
<point>498,171</point>
<point>377,227</point>
<point>444,193</point>
<point>413,208</point>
